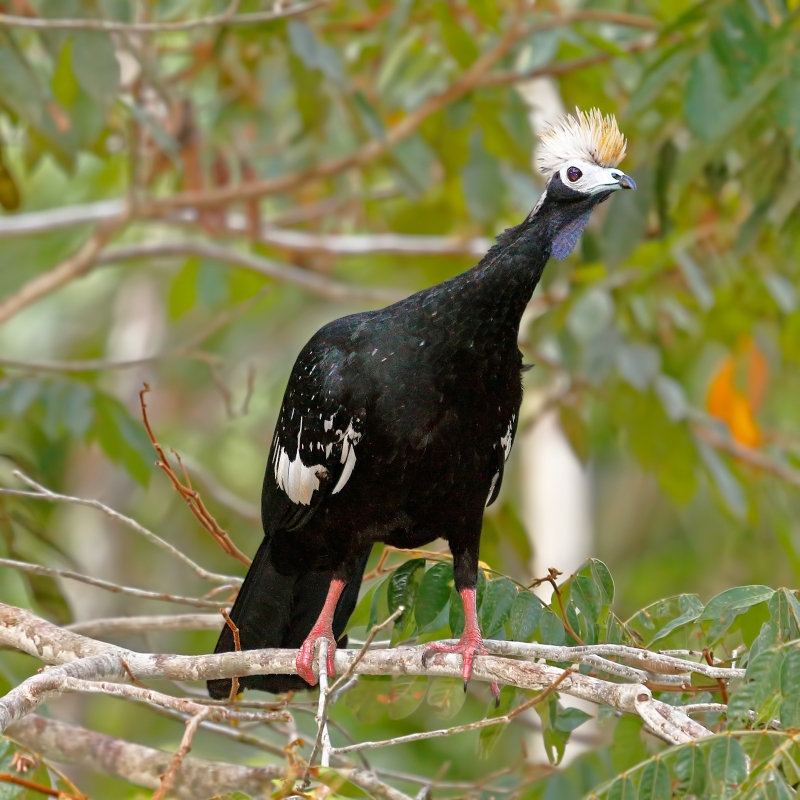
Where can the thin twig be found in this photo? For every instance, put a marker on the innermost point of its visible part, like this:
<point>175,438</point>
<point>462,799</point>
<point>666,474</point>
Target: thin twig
<point>471,726</point>
<point>186,745</point>
<point>7,777</point>
<point>191,496</point>
<point>43,493</point>
<point>286,273</point>
<point>73,267</point>
<point>237,646</point>
<point>322,740</point>
<point>227,17</point>
<point>108,626</point>
<point>366,154</point>
<point>376,629</point>
<point>137,764</point>
<point>116,588</point>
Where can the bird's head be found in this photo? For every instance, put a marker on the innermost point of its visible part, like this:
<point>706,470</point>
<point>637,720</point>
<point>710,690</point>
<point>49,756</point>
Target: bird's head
<point>579,157</point>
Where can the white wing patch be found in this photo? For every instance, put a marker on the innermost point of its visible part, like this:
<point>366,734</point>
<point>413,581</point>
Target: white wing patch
<point>298,481</point>
<point>491,489</point>
<point>349,439</point>
<point>508,439</point>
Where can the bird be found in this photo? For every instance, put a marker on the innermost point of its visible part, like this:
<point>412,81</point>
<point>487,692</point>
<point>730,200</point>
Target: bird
<point>396,425</point>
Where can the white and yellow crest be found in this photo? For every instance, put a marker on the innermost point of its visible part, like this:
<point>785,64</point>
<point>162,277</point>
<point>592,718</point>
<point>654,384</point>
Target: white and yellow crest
<point>589,136</point>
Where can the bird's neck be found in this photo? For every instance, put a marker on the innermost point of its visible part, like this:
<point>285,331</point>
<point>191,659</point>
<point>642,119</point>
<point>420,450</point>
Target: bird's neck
<point>501,285</point>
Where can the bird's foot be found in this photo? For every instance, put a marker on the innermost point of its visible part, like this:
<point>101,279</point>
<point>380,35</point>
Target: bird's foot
<point>304,663</point>
<point>469,645</point>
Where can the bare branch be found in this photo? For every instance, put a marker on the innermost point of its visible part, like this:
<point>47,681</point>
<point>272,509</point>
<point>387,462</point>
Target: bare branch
<point>286,273</point>
<point>471,726</point>
<point>708,431</point>
<point>142,766</point>
<point>227,17</point>
<point>190,496</point>
<point>73,267</point>
<point>43,493</point>
<point>26,632</point>
<point>369,243</point>
<point>366,154</point>
<point>116,588</point>
<point>53,219</point>
<point>142,694</point>
<point>7,777</point>
<point>108,626</point>
<point>168,778</point>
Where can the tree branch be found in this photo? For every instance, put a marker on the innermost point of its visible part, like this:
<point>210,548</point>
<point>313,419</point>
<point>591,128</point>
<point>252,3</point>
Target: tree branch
<point>366,154</point>
<point>108,626</point>
<point>73,267</point>
<point>108,586</point>
<point>286,273</point>
<point>227,17</point>
<point>24,631</point>
<point>142,766</point>
<point>43,493</point>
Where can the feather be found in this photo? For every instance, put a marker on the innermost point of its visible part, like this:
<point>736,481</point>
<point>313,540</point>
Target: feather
<point>589,136</point>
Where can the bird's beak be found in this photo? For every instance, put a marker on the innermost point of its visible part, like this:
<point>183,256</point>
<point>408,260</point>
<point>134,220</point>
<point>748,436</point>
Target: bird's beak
<point>626,182</point>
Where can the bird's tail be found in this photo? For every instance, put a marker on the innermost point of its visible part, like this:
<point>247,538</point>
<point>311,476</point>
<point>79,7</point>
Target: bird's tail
<point>275,610</point>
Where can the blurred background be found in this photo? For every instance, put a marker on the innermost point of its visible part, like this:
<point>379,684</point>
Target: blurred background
<point>185,207</point>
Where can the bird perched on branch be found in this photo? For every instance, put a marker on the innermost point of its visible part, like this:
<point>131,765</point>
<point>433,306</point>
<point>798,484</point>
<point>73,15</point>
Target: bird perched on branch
<point>396,425</point>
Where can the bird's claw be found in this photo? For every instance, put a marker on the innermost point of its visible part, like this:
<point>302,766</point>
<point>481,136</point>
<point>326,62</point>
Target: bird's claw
<point>304,663</point>
<point>469,646</point>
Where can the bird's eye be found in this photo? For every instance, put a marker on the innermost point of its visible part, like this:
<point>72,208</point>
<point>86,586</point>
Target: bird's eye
<point>573,173</point>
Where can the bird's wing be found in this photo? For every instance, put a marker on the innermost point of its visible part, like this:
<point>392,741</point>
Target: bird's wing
<point>316,439</point>
<point>501,449</point>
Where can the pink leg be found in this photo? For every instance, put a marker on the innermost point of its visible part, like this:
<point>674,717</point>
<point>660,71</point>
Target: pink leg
<point>323,628</point>
<point>470,644</point>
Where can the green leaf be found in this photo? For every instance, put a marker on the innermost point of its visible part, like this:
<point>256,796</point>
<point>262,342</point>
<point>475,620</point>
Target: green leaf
<point>784,610</point>
<point>367,699</point>
<point>790,713</point>
<point>790,673</point>
<point>406,694</point>
<point>551,628</point>
<point>726,761</point>
<point>19,88</point>
<point>482,182</point>
<point>49,598</point>
<point>706,97</point>
<point>730,488</point>
<point>460,44</point>
<point>628,748</point>
<point>623,788</point>
<point>402,590</point>
<point>183,290</point>
<point>570,718</point>
<point>379,607</point>
<point>723,609</point>
<point>123,440</point>
<point>95,66</point>
<point>603,580</point>
<point>690,769</point>
<point>526,612</point>
<point>654,783</point>
<point>498,598</point>
<point>433,594</point>
<point>446,696</point>
<point>671,614</point>
<point>654,81</point>
<point>313,53</point>
<point>590,314</point>
<point>490,735</point>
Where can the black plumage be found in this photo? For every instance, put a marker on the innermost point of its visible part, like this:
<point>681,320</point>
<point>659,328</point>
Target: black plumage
<point>395,428</point>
